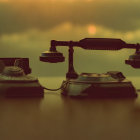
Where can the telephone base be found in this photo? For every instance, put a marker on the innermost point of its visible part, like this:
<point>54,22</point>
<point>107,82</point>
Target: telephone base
<point>15,80</point>
<point>21,89</point>
<point>109,85</point>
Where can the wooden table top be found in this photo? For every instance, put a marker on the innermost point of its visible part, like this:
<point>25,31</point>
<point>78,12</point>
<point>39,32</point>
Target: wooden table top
<point>55,117</point>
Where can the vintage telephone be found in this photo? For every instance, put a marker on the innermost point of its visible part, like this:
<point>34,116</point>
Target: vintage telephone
<point>16,81</point>
<point>110,84</point>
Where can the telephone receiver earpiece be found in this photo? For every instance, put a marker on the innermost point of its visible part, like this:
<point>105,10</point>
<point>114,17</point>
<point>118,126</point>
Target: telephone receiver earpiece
<point>134,60</point>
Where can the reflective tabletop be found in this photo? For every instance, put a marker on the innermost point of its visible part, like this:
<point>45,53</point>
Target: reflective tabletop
<point>58,117</point>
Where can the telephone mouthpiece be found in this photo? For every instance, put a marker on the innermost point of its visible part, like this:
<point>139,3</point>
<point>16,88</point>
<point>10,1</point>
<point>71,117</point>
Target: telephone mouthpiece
<point>134,60</point>
<point>52,57</point>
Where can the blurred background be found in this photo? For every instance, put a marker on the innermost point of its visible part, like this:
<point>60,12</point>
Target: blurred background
<point>28,26</point>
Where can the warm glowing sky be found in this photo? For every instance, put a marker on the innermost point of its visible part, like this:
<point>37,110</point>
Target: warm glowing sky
<point>27,26</point>
<point>65,0</point>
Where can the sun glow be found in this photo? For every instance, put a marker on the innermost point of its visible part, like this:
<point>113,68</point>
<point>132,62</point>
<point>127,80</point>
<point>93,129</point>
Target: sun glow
<point>92,29</point>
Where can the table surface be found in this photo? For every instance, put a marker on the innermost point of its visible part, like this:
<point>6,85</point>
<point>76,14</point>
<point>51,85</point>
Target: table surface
<point>63,118</point>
